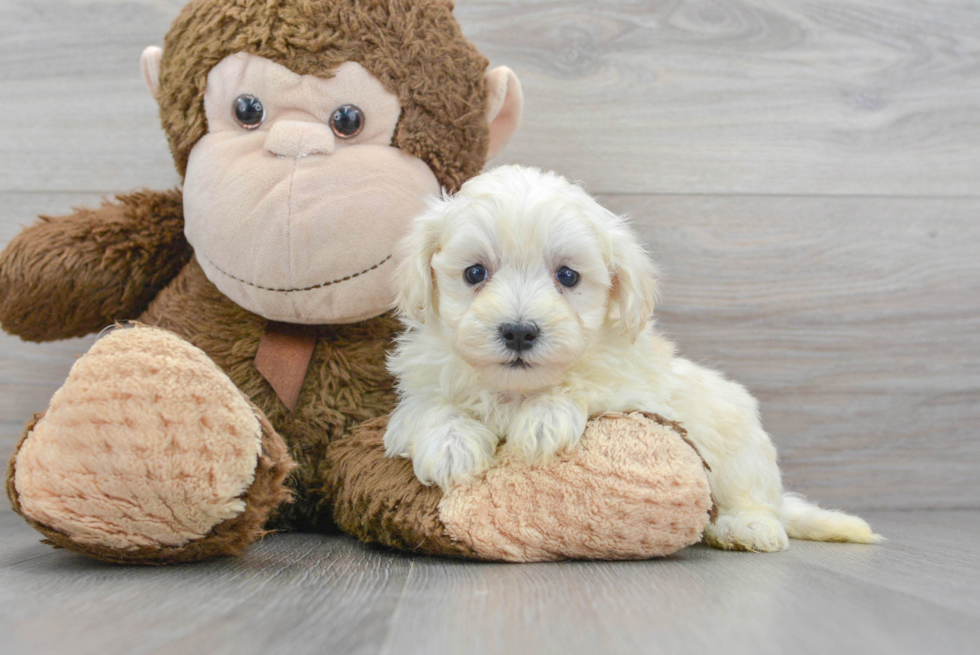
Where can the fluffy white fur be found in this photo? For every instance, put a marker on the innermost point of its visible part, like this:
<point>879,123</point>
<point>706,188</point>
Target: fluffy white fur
<point>463,392</point>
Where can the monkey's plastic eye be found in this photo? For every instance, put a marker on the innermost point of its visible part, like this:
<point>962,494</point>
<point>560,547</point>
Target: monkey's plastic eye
<point>347,121</point>
<point>249,111</point>
<point>566,277</point>
<point>475,274</point>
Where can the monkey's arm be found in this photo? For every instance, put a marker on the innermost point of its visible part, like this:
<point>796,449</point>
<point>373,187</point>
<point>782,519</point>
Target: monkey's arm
<point>73,275</point>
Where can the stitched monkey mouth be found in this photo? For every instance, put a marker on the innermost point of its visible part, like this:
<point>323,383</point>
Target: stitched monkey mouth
<point>295,290</point>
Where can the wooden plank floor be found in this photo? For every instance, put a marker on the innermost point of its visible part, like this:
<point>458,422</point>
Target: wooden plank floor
<point>330,594</point>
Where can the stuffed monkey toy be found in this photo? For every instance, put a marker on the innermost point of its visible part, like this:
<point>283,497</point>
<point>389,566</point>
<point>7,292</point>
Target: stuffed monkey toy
<point>243,388</point>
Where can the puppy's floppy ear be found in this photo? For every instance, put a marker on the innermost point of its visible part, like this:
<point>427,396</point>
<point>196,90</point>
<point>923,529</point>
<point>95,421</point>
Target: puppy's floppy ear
<point>413,275</point>
<point>634,274</point>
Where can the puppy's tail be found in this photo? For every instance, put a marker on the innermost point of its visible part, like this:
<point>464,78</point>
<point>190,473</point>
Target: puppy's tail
<point>804,520</point>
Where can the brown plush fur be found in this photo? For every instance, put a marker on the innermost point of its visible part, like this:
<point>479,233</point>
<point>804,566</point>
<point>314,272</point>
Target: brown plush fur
<point>70,276</point>
<point>414,47</point>
<point>379,500</point>
<point>346,384</point>
<point>230,537</point>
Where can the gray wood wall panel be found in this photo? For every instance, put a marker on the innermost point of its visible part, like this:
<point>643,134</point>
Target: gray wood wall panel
<point>696,96</point>
<point>855,321</point>
<point>78,117</point>
<point>806,172</point>
<point>745,96</point>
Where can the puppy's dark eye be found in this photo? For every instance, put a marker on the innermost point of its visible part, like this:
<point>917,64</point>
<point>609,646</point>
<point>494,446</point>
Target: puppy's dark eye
<point>566,277</point>
<point>249,111</point>
<point>347,121</point>
<point>475,274</point>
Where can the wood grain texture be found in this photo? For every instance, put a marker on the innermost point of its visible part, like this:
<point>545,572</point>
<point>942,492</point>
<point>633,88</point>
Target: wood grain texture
<point>859,97</point>
<point>315,594</point>
<point>815,598</point>
<point>675,96</point>
<point>292,594</point>
<point>78,116</point>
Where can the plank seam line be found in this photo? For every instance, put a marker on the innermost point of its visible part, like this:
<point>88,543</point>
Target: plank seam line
<point>390,635</point>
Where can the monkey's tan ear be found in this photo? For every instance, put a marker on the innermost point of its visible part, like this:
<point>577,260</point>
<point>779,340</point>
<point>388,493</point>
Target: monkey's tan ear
<point>505,104</point>
<point>150,65</point>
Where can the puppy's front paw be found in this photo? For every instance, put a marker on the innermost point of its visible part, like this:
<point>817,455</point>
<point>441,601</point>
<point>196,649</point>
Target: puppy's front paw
<point>751,531</point>
<point>545,426</point>
<point>453,451</point>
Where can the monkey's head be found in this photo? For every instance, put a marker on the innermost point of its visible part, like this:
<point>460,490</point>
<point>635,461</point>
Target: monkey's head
<point>310,132</point>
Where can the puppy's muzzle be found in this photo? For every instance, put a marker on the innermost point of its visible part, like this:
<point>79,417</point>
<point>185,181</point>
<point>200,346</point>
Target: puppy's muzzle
<point>519,337</point>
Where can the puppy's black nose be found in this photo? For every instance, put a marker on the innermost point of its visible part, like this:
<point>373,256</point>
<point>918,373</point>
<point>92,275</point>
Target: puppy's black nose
<point>519,336</point>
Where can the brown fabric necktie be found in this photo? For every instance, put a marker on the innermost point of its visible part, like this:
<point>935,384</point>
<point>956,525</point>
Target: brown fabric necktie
<point>283,358</point>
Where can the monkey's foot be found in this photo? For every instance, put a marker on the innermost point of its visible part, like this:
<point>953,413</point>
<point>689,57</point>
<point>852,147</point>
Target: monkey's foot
<point>632,489</point>
<point>148,454</point>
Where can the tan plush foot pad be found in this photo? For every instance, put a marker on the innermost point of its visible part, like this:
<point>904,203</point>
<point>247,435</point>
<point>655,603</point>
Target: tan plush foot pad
<point>633,489</point>
<point>148,454</point>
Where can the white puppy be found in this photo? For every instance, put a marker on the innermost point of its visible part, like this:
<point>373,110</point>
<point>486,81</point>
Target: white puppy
<point>527,307</point>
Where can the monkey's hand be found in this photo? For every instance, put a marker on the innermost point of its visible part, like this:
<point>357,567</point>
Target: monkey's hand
<point>73,275</point>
